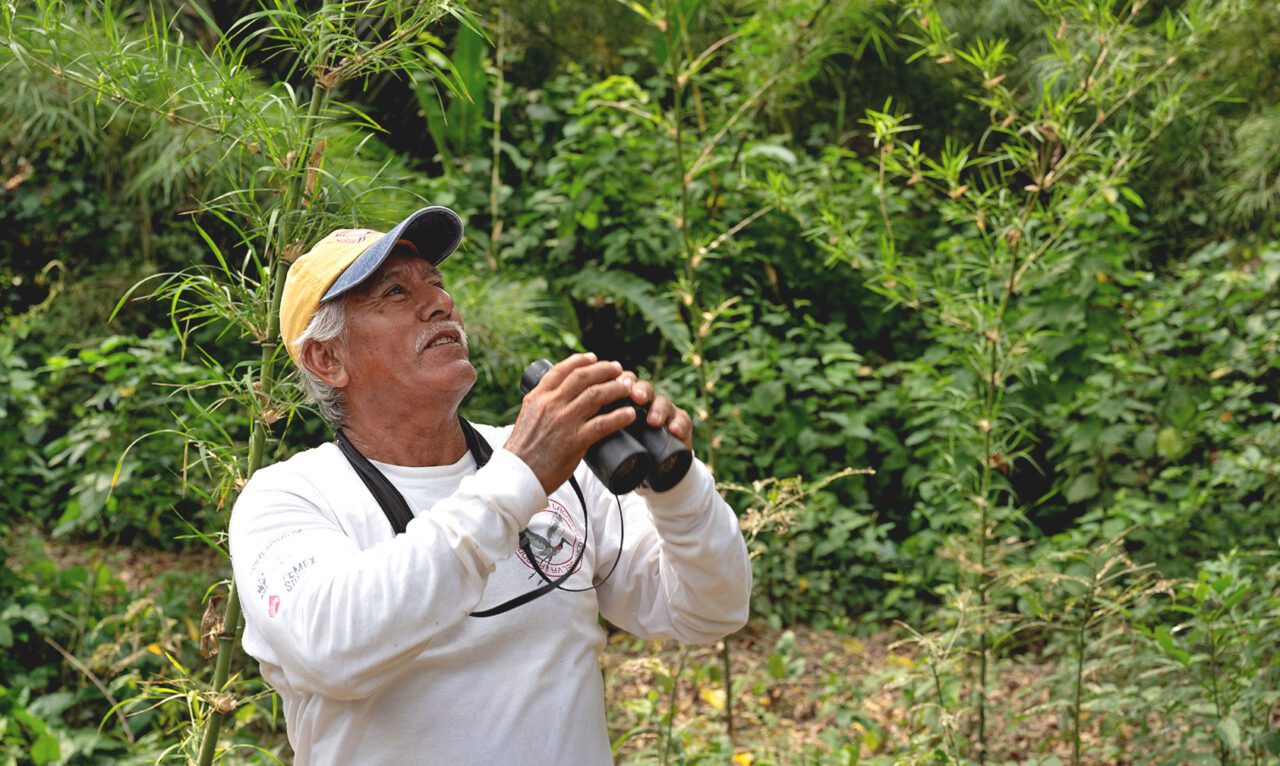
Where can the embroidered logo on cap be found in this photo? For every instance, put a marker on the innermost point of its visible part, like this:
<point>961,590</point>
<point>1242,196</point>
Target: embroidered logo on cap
<point>352,236</point>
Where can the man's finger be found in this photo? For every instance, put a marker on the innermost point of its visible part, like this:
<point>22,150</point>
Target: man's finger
<point>661,411</point>
<point>599,395</point>
<point>681,427</point>
<point>642,392</point>
<point>664,413</point>
<point>602,425</point>
<point>561,370</point>
<point>585,377</point>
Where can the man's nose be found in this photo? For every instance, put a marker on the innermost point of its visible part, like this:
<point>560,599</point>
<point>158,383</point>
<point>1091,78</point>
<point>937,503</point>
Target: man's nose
<point>438,304</point>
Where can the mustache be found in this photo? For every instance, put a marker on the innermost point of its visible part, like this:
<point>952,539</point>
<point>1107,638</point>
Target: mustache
<point>435,328</point>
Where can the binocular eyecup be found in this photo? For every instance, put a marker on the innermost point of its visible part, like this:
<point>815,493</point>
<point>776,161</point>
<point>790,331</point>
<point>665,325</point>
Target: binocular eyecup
<point>638,453</point>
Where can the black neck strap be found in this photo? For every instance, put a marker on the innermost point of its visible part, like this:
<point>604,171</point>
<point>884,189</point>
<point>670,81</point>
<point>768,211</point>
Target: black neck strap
<point>397,510</point>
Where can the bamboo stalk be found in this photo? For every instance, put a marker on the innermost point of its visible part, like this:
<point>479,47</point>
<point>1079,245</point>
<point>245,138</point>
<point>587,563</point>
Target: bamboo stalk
<point>495,178</point>
<point>231,623</point>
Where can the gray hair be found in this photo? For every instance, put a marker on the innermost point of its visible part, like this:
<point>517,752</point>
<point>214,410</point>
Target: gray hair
<point>329,322</point>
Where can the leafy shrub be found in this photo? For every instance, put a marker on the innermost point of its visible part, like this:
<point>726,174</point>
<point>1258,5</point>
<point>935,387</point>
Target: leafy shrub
<point>113,407</point>
<point>52,709</point>
<point>1220,668</point>
<point>800,401</point>
<point>1174,432</point>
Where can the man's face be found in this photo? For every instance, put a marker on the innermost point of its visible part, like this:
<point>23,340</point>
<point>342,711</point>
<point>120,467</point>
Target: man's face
<point>404,343</point>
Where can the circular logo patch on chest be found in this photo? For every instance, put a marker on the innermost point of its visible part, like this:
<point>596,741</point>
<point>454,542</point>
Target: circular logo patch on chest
<point>554,538</point>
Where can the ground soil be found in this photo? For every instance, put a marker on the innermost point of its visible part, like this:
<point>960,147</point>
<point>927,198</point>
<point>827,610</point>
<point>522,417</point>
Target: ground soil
<point>873,691</point>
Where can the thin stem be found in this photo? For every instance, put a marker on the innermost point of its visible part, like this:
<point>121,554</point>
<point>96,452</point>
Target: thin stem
<point>884,203</point>
<point>221,671</point>
<point>710,146</point>
<point>669,723</point>
<point>942,700</point>
<point>692,259</point>
<point>1221,746</point>
<point>982,606</point>
<point>991,410</point>
<point>734,230</point>
<point>1081,634</point>
<point>75,662</point>
<point>677,120</point>
<point>725,661</point>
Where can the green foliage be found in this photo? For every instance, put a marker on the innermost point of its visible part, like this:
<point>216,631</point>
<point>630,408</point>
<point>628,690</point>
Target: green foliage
<point>780,417</point>
<point>23,414</point>
<point>1172,433</point>
<point>456,128</point>
<point>509,324</point>
<point>1011,240</point>
<point>1214,672</point>
<point>1213,175</point>
<point>645,213</point>
<point>42,611</point>
<point>293,167</point>
<point>1015,260</point>
<point>120,399</point>
<point>75,642</point>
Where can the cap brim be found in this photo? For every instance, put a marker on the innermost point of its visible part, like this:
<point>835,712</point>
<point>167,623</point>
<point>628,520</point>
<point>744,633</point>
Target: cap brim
<point>435,231</point>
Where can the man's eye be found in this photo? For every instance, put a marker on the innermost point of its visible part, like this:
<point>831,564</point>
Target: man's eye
<point>393,290</point>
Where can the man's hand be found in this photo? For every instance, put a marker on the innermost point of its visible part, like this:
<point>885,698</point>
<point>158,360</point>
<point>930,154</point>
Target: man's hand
<point>662,411</point>
<point>558,420</point>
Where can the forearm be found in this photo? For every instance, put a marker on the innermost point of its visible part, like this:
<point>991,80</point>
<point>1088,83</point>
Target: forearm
<point>689,576</point>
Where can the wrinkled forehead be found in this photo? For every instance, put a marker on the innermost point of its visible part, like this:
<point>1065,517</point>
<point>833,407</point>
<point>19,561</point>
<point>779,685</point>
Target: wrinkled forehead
<point>403,263</point>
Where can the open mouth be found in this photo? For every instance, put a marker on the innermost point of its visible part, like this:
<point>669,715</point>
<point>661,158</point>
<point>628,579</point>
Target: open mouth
<point>445,337</point>
<point>443,340</point>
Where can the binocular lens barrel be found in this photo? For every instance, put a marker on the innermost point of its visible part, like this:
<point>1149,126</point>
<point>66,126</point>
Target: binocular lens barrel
<point>620,463</point>
<point>671,460</point>
<point>624,459</point>
<point>533,373</point>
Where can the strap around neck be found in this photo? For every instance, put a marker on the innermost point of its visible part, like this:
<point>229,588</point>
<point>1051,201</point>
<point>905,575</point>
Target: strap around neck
<point>397,510</point>
<point>389,498</point>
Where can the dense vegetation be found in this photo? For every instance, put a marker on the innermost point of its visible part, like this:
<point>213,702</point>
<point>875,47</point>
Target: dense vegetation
<point>976,306</point>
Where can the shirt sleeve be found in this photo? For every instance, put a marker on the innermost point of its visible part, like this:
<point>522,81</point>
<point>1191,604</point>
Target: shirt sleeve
<point>340,621</point>
<point>683,572</point>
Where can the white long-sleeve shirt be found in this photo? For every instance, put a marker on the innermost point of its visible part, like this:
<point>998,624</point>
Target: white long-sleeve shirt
<point>367,638</point>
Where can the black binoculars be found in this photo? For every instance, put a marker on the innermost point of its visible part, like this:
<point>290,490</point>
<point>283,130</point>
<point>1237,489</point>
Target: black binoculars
<point>639,452</point>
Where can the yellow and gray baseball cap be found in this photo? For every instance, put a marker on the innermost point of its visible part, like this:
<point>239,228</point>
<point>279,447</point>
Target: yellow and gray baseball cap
<point>347,257</point>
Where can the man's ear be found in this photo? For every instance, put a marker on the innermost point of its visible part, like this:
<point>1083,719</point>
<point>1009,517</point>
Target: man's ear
<point>325,361</point>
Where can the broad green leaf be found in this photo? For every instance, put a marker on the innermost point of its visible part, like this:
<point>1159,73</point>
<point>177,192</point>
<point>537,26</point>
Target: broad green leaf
<point>1228,730</point>
<point>771,151</point>
<point>1272,742</point>
<point>1082,488</point>
<point>777,666</point>
<point>45,750</point>
<point>1169,443</point>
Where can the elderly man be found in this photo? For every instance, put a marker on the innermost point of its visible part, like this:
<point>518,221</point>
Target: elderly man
<point>388,579</point>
